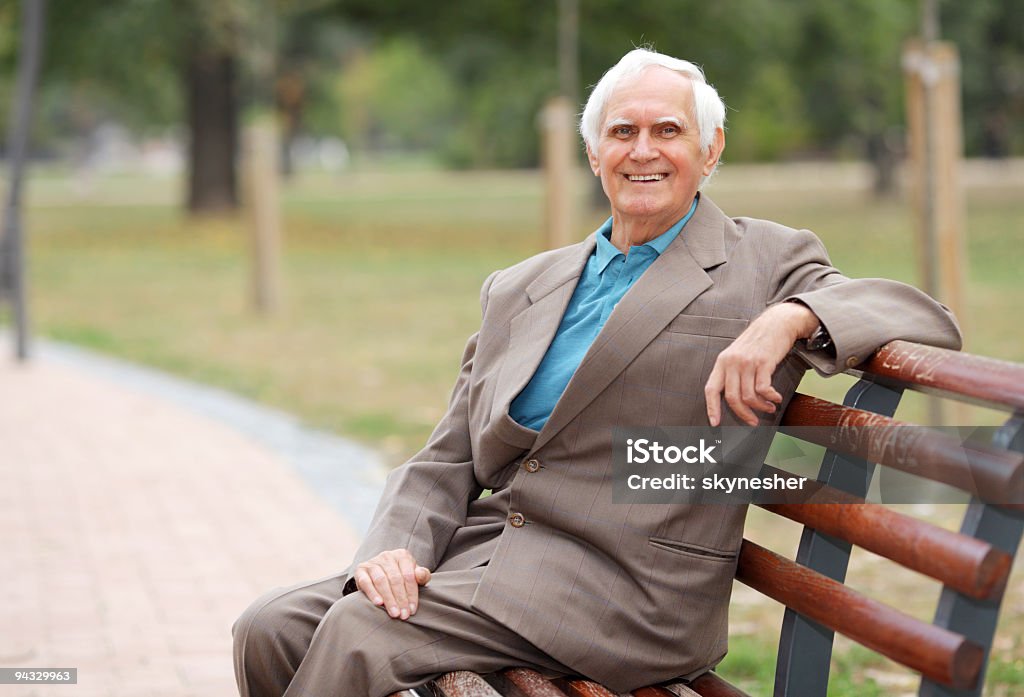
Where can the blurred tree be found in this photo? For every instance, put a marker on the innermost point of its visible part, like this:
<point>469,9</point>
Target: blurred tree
<point>311,51</point>
<point>156,63</point>
<point>110,59</point>
<point>396,97</point>
<point>209,50</point>
<point>469,78</point>
<point>502,95</point>
<point>501,59</point>
<point>990,36</point>
<point>847,63</point>
<point>503,55</point>
<point>9,23</point>
<point>162,62</point>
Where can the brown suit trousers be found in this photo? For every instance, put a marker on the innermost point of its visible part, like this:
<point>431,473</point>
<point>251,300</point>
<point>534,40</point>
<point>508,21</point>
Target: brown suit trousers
<point>310,640</point>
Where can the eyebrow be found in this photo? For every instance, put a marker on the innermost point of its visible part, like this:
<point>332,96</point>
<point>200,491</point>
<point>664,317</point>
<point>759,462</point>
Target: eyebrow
<point>615,123</point>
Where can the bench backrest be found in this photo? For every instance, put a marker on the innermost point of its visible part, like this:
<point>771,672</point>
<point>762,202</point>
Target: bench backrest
<point>973,565</point>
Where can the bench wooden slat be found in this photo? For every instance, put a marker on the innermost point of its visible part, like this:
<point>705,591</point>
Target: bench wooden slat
<point>711,685</point>
<point>522,682</point>
<point>977,379</point>
<point>464,683</point>
<point>652,692</point>
<point>583,688</point>
<point>937,653</point>
<point>991,474</point>
<point>971,566</point>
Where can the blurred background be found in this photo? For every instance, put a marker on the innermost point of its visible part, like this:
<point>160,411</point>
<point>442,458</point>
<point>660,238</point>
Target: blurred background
<point>409,145</point>
<point>298,200</point>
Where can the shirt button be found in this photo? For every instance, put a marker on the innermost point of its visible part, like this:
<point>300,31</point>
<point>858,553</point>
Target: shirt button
<point>517,520</point>
<point>531,465</point>
<point>852,362</point>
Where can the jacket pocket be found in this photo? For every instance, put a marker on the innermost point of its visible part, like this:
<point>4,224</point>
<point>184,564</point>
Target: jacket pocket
<point>691,550</point>
<point>723,327</point>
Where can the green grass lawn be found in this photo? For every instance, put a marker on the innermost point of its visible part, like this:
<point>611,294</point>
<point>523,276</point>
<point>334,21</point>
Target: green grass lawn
<point>381,274</point>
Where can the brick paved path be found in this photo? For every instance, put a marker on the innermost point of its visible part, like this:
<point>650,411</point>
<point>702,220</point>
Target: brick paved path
<point>134,532</point>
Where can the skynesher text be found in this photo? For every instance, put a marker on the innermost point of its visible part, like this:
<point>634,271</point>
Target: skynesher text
<point>715,482</point>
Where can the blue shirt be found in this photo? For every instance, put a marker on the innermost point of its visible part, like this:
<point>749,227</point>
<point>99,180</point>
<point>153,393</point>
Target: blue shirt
<point>607,276</point>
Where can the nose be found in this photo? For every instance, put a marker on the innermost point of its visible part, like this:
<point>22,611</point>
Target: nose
<point>644,148</point>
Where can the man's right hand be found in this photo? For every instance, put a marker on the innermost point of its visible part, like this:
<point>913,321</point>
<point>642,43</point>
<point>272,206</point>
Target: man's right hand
<point>392,580</point>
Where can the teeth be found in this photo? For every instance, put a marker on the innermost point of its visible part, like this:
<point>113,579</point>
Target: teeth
<point>646,177</point>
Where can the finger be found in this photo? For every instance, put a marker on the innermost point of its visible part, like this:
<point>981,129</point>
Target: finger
<point>365,584</point>
<point>379,576</point>
<point>713,395</point>
<point>397,585</point>
<point>734,397</point>
<point>764,387</point>
<point>750,393</point>
<point>407,567</point>
<point>422,575</point>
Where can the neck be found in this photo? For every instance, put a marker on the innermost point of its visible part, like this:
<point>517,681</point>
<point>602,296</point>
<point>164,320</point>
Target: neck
<point>628,231</point>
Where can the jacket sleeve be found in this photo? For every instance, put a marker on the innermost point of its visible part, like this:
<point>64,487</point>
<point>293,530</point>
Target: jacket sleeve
<point>861,315</point>
<point>426,499</point>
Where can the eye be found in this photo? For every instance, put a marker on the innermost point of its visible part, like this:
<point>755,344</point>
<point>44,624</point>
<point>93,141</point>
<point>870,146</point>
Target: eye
<point>622,132</point>
<point>669,130</point>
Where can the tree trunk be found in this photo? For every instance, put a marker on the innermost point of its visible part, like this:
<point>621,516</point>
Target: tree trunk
<point>884,156</point>
<point>212,104</point>
<point>290,94</point>
<point>996,132</point>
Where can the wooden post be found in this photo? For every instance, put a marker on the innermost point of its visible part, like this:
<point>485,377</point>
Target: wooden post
<point>932,71</point>
<point>263,212</point>
<point>936,151</point>
<point>559,141</point>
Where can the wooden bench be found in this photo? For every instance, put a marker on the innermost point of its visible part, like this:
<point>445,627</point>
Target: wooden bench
<point>973,565</point>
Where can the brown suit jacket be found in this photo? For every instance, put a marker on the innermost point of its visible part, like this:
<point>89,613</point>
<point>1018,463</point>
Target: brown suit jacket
<point>627,594</point>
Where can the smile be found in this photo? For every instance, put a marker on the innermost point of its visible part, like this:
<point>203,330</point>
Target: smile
<point>646,177</point>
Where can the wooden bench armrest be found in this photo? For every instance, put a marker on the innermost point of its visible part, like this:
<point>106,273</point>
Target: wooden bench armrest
<point>988,382</point>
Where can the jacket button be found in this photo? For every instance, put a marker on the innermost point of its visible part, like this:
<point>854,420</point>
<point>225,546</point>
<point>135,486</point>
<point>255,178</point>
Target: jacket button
<point>852,362</point>
<point>531,465</point>
<point>517,520</point>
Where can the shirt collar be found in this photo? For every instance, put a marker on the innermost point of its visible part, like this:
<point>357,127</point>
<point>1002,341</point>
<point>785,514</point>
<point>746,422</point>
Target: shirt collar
<point>606,251</point>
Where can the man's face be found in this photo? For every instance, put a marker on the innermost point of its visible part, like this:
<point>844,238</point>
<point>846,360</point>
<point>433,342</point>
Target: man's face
<point>648,150</point>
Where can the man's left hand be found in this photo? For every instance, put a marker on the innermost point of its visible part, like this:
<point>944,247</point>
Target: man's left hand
<point>744,370</point>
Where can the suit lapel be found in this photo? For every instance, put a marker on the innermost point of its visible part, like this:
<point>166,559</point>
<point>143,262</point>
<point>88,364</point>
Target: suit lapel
<point>661,293</point>
<point>532,330</point>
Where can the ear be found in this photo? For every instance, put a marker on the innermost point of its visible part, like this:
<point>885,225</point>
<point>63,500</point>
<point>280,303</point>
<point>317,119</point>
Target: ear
<point>714,152</point>
<point>595,164</point>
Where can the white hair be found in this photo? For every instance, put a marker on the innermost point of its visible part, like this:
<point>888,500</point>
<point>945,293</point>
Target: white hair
<point>709,109</point>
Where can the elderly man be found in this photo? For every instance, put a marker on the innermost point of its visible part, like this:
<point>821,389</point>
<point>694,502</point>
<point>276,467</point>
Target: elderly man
<point>648,322</point>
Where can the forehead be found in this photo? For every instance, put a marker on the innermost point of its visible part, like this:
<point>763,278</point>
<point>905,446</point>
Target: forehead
<point>655,93</point>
